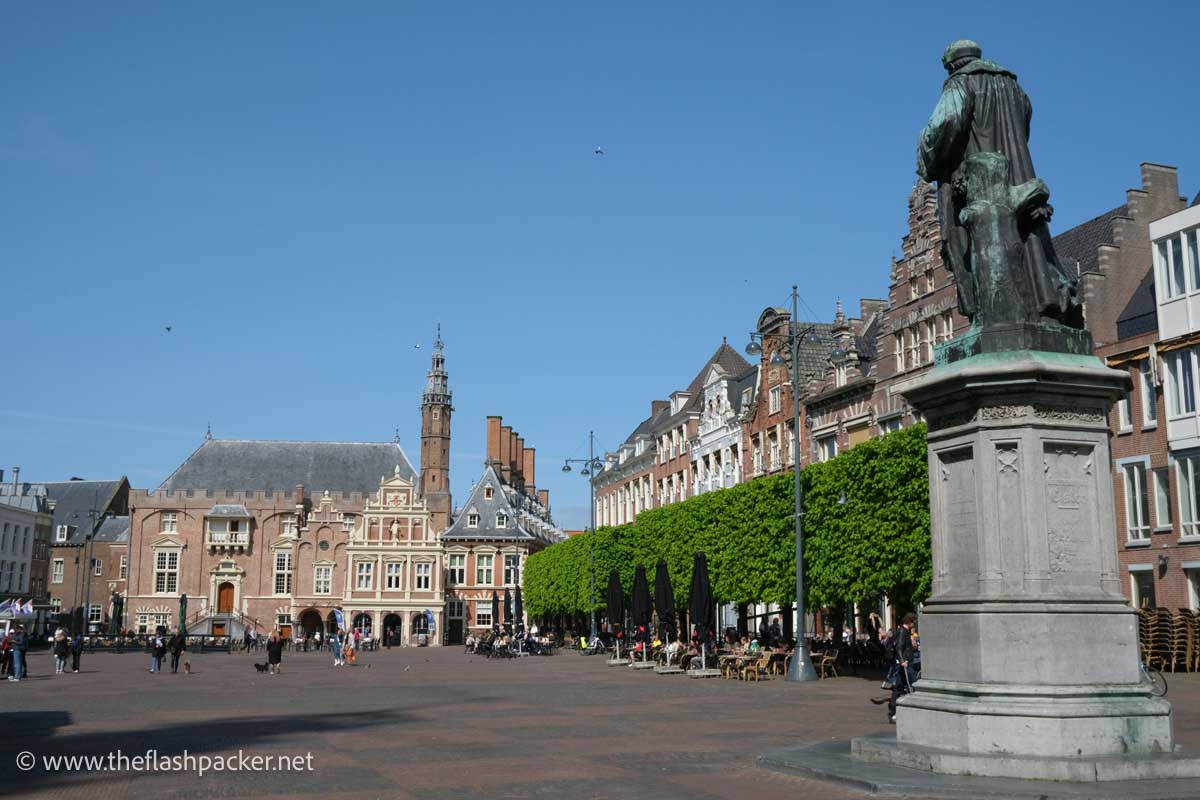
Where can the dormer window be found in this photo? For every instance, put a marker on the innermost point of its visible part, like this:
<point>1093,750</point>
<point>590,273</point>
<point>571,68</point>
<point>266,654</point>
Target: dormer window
<point>287,525</point>
<point>488,492</point>
<point>472,520</point>
<point>501,520</point>
<point>62,532</point>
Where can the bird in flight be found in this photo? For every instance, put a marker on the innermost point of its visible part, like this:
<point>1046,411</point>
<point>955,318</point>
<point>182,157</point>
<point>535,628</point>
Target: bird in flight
<point>167,327</point>
<point>599,150</point>
<point>417,346</point>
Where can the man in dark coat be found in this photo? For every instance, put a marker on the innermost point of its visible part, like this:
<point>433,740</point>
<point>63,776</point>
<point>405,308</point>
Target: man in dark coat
<point>984,109</point>
<point>177,645</point>
<point>905,662</point>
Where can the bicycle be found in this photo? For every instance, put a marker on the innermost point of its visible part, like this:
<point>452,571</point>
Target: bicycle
<point>1153,677</point>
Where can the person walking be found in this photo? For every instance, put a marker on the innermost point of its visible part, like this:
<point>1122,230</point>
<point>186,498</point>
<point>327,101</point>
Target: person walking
<point>158,649</point>
<point>274,653</point>
<point>177,645</point>
<point>76,651</point>
<point>905,661</point>
<point>20,643</point>
<point>335,642</point>
<point>6,656</point>
<point>62,648</point>
<point>348,648</point>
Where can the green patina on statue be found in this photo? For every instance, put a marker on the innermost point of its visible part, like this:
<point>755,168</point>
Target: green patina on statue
<point>992,209</point>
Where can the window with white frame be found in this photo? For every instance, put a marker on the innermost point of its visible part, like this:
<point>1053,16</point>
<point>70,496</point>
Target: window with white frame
<point>322,578</point>
<point>898,351</point>
<point>347,522</point>
<point>454,609</point>
<point>364,575</point>
<point>1162,497</point>
<point>1180,375</point>
<point>947,327</point>
<point>1137,511</point>
<point>483,615</point>
<point>166,571</point>
<point>512,570</point>
<point>170,522</point>
<point>283,572</point>
<point>287,525</point>
<point>472,520</point>
<point>61,533</point>
<point>424,575</point>
<point>124,568</point>
<point>56,605</point>
<point>1146,387</point>
<point>56,574</point>
<point>1187,482</point>
<point>95,614</point>
<point>393,574</point>
<point>1141,584</point>
<point>1124,414</point>
<point>456,572</point>
<point>773,399</point>
<point>501,519</point>
<point>483,569</point>
<point>1170,266</point>
<point>928,341</point>
<point>827,447</point>
<point>97,567</point>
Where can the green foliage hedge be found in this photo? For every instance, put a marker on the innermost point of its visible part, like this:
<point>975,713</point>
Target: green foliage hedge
<point>875,543</point>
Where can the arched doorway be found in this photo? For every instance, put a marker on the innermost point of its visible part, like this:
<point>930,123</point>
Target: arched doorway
<point>331,625</point>
<point>393,629</point>
<point>310,622</point>
<point>225,598</point>
<point>418,628</point>
<point>362,624</point>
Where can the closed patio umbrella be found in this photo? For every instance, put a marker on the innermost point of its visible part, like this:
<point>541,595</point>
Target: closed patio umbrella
<point>640,600</point>
<point>700,606</point>
<point>616,605</point>
<point>495,611</point>
<point>519,609</point>
<point>664,599</point>
<point>508,617</point>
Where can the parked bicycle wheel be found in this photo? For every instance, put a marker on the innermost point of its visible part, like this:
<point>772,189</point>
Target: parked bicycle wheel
<point>1158,683</point>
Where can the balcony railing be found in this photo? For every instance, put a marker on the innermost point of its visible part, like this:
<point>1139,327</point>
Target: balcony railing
<point>241,539</point>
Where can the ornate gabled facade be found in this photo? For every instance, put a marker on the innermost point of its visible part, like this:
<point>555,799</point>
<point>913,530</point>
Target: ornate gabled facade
<point>394,581</point>
<point>502,523</point>
<point>716,447</point>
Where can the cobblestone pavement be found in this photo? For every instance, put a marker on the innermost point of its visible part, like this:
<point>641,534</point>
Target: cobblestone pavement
<point>436,723</point>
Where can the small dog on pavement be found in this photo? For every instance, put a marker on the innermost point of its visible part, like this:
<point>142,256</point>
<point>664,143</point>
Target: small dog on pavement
<point>261,667</point>
<point>187,668</point>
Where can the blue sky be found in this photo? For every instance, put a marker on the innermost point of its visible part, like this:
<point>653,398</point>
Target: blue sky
<point>304,191</point>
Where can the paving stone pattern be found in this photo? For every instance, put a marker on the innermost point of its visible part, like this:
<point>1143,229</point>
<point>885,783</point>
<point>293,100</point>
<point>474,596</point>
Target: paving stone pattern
<point>437,723</point>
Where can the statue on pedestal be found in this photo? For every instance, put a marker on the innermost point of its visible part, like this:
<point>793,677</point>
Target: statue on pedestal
<point>984,110</point>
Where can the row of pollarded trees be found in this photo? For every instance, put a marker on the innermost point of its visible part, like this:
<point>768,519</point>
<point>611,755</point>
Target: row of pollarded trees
<point>873,544</point>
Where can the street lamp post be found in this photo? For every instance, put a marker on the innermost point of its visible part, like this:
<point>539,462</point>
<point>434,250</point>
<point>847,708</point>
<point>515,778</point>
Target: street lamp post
<point>801,668</point>
<point>591,466</point>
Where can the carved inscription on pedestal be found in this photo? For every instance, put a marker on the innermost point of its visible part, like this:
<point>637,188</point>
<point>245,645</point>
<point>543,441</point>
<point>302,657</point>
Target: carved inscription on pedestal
<point>1070,509</point>
<point>960,528</point>
<point>1008,547</point>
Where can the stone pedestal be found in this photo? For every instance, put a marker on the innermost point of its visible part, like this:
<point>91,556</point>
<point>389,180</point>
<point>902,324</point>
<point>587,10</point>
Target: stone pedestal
<point>1029,650</point>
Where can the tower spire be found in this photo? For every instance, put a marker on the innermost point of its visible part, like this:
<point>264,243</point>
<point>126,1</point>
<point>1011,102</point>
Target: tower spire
<point>436,409</point>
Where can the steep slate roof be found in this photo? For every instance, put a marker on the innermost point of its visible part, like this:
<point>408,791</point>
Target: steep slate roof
<point>228,511</point>
<point>74,502</point>
<point>1081,243</point>
<point>113,529</point>
<point>487,508</point>
<point>1140,315</point>
<point>747,380</point>
<point>816,347</point>
<point>269,466</point>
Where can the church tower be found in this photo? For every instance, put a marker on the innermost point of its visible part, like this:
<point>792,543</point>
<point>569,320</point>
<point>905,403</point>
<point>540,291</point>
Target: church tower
<point>435,438</point>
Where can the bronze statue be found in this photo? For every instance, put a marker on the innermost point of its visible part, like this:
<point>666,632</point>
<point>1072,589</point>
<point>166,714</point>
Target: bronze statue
<point>984,110</point>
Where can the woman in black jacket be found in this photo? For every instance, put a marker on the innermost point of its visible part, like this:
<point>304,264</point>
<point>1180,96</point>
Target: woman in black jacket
<point>274,652</point>
<point>177,645</point>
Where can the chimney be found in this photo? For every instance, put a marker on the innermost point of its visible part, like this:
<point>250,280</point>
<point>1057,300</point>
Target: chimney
<point>657,406</point>
<point>527,467</point>
<point>511,461</point>
<point>1,476</point>
<point>505,452</point>
<point>544,498</point>
<point>16,479</point>
<point>519,460</point>
<point>493,439</point>
<point>300,495</point>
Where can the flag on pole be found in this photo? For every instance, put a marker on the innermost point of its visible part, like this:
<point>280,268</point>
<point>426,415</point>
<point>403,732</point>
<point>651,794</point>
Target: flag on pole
<point>339,619</point>
<point>4,605</point>
<point>29,606</point>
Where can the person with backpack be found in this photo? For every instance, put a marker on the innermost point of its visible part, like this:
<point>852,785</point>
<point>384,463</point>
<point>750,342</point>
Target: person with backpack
<point>62,649</point>
<point>905,661</point>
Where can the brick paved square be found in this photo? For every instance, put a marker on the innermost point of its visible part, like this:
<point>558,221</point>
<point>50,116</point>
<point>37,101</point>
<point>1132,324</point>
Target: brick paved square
<point>436,723</point>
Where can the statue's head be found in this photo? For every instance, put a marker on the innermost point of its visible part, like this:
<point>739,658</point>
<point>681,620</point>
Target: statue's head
<point>959,53</point>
